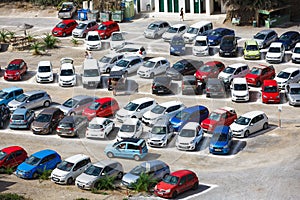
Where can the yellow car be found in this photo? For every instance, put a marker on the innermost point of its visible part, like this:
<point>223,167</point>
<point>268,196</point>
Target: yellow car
<point>251,50</point>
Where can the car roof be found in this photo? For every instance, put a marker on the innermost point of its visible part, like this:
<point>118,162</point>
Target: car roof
<point>44,63</point>
<point>156,59</point>
<point>16,61</point>
<point>239,80</point>
<point>222,129</point>
<point>131,121</point>
<point>137,46</point>
<point>201,37</point>
<point>237,65</point>
<point>199,24</point>
<point>178,25</point>
<point>76,158</point>
<point>10,89</point>
<point>262,66</point>
<point>87,21</point>
<point>294,85</point>
<point>103,163</point>
<point>70,119</point>
<point>190,125</point>
<point>228,37</point>
<point>43,153</point>
<point>213,63</point>
<point>152,163</point>
<point>11,149</point>
<point>66,21</point>
<point>109,23</point>
<point>132,140</point>
<point>289,33</point>
<point>97,120</point>
<point>104,99</point>
<point>130,58</point>
<point>49,110</point>
<point>142,100</point>
<point>81,97</point>
<point>32,92</point>
<point>182,172</point>
<point>90,63</point>
<point>266,31</point>
<point>170,103</point>
<point>270,82</point>
<point>189,77</point>
<point>112,55</point>
<point>251,42</point>
<point>194,108</point>
<point>224,109</point>
<point>252,114</point>
<point>92,33</point>
<point>213,81</point>
<point>276,44</point>
<point>290,69</point>
<point>297,44</point>
<point>159,22</point>
<point>20,111</point>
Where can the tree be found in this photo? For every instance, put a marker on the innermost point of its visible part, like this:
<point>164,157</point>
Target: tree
<point>50,41</point>
<point>37,48</point>
<point>4,35</point>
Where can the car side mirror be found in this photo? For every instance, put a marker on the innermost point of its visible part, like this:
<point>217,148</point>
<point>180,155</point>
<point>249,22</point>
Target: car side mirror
<point>76,106</point>
<point>138,110</point>
<point>103,174</point>
<point>180,183</point>
<point>27,101</point>
<point>251,124</point>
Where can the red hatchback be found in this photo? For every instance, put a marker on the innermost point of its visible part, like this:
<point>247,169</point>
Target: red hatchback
<point>102,107</point>
<point>270,92</point>
<point>105,29</point>
<point>12,156</point>
<point>64,28</point>
<point>15,70</point>
<point>176,183</point>
<point>260,73</point>
<point>210,69</point>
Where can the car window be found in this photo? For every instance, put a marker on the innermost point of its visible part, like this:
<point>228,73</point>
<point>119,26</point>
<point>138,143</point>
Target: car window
<point>295,73</point>
<point>182,180</point>
<point>38,96</point>
<point>173,108</point>
<point>19,153</point>
<point>27,115</point>
<point>163,62</point>
<point>132,147</point>
<point>18,92</point>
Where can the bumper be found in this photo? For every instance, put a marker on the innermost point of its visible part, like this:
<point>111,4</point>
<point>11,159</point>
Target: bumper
<point>157,143</point>
<point>227,53</point>
<point>83,186</point>
<point>163,194</point>
<point>252,57</point>
<point>238,133</point>
<point>44,79</point>
<point>58,180</point>
<point>219,150</point>
<point>273,60</point>
<point>96,47</point>
<point>69,134</point>
<point>264,100</point>
<point>240,98</point>
<point>41,131</point>
<point>91,84</point>
<point>144,75</point>
<point>25,175</point>
<point>12,78</point>
<point>200,53</point>
<point>18,126</point>
<point>67,83</point>
<point>185,147</point>
<point>98,135</point>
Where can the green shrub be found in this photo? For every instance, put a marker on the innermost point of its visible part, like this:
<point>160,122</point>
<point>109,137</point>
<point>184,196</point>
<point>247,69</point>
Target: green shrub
<point>45,175</point>
<point>74,41</point>
<point>37,48</point>
<point>144,183</point>
<point>105,183</point>
<point>11,196</point>
<point>50,41</point>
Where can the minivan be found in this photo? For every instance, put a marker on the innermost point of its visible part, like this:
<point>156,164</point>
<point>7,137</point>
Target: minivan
<point>91,73</point>
<point>239,90</point>
<point>198,28</point>
<point>200,47</point>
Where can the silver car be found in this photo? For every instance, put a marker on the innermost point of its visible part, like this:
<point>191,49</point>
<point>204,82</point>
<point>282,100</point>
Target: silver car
<point>107,62</point>
<point>76,104</point>
<point>84,27</point>
<point>153,66</point>
<point>161,133</point>
<point>156,29</point>
<point>292,92</point>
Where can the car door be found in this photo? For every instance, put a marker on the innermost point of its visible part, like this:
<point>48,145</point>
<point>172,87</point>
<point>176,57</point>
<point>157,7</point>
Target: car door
<point>121,150</point>
<point>253,126</point>
<point>79,168</point>
<point>10,160</point>
<point>182,185</point>
<point>36,100</point>
<point>57,116</point>
<point>139,129</point>
<point>29,115</point>
<point>199,134</point>
<point>295,77</point>
<point>22,68</point>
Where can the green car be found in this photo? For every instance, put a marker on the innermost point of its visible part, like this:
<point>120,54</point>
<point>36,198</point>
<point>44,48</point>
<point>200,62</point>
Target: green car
<point>251,50</point>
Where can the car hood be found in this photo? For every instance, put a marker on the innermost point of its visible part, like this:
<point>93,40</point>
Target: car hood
<point>89,111</point>
<point>39,124</point>
<point>218,143</point>
<point>207,121</point>
<point>200,48</point>
<point>151,115</point>
<point>92,42</point>
<point>184,139</point>
<point>102,65</point>
<point>251,53</point>
<point>25,167</point>
<point>64,108</point>
<point>271,94</point>
<point>201,74</point>
<point>44,74</point>
<point>172,71</point>
<point>296,55</point>
<point>241,93</point>
<point>122,134</point>
<point>57,29</point>
<point>11,72</point>
<point>212,37</point>
<point>144,69</point>
<point>130,178</point>
<point>237,127</point>
<point>280,80</point>
<point>165,186</point>
<point>157,136</point>
<point>168,35</point>
<point>251,76</point>
<point>271,54</point>
<point>59,172</point>
<point>66,78</point>
<point>294,96</point>
<point>78,30</point>
<point>15,103</point>
<point>224,75</point>
<point>175,121</point>
<point>230,48</point>
<point>115,68</point>
<point>85,178</point>
<point>177,46</point>
<point>189,35</point>
<point>150,31</point>
<point>123,112</point>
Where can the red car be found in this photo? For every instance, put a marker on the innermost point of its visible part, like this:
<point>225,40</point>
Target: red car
<point>105,29</point>
<point>12,156</point>
<point>260,73</point>
<point>102,107</point>
<point>210,69</point>
<point>64,28</point>
<point>222,116</point>
<point>270,92</point>
<point>176,183</point>
<point>15,70</point>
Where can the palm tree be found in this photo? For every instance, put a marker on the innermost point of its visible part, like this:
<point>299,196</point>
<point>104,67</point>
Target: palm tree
<point>11,35</point>
<point>37,48</point>
<point>3,35</point>
<point>50,41</point>
<point>144,183</point>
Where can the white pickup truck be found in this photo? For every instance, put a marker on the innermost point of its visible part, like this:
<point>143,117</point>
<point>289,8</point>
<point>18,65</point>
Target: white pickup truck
<point>67,11</point>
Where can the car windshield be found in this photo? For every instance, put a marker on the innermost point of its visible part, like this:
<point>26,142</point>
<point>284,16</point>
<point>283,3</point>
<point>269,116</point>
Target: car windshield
<point>284,75</point>
<point>43,118</point>
<point>105,59</point>
<point>187,133</point>
<point>192,30</point>
<point>102,27</point>
<point>284,37</point>
<point>239,87</point>
<point>270,89</point>
<point>297,50</point>
<point>2,94</point>
<point>215,33</point>
<point>178,66</point>
<point>44,69</point>
<point>122,63</point>
<point>295,91</point>
<point>259,36</point>
<point>81,26</point>
<point>66,72</point>
<point>131,106</point>
<point>227,43</point>
<point>159,130</point>
<point>13,67</point>
<point>255,71</point>
<point>158,109</point>
<point>61,25</point>
<point>65,166</point>
<point>117,37</point>
<point>177,42</point>
<point>242,120</point>
<point>93,170</point>
<point>22,97</point>
<point>2,155</point>
<point>172,30</point>
<point>138,170</point>
<point>219,137</point>
<point>274,50</point>
<point>32,160</point>
<point>149,64</point>
<point>93,38</point>
<point>127,128</point>
<point>17,117</point>
<point>70,103</point>
<point>94,106</point>
<point>252,48</point>
<point>229,70</point>
<point>214,116</point>
<point>153,26</point>
<point>95,126</point>
<point>173,180</point>
<point>182,115</point>
<point>91,72</point>
<point>205,68</point>
<point>200,43</point>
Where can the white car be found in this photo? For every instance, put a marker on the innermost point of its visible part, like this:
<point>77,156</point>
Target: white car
<point>239,90</point>
<point>161,133</point>
<point>131,128</point>
<point>233,71</point>
<point>288,75</point>
<point>128,65</point>
<point>69,169</point>
<point>93,41</point>
<point>117,40</point>
<point>67,74</point>
<point>249,123</point>
<point>135,108</point>
<point>166,109</point>
<point>107,62</point>
<point>200,47</point>
<point>275,53</point>
<point>99,127</point>
<point>44,72</point>
<point>153,67</point>
<point>176,29</point>
<point>189,136</point>
<point>132,50</point>
<point>296,53</point>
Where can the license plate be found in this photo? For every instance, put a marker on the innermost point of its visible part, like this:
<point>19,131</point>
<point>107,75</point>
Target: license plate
<point>226,54</point>
<point>218,150</point>
<point>160,91</point>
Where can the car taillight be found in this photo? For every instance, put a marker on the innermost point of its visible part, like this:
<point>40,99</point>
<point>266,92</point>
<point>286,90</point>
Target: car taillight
<point>153,86</point>
<point>140,52</point>
<point>140,150</point>
<point>71,129</point>
<point>25,121</point>
<point>58,129</point>
<point>102,129</point>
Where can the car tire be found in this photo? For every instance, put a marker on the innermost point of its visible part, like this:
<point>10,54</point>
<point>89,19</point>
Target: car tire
<point>265,126</point>
<point>64,34</point>
<point>246,134</point>
<point>107,70</point>
<point>258,84</point>
<point>195,186</point>
<point>152,75</point>
<point>72,113</point>
<point>120,176</point>
<point>46,103</point>
<point>35,175</point>
<point>1,124</point>
<point>136,157</point>
<point>70,181</point>
<point>110,154</point>
<point>174,195</point>
<point>50,130</point>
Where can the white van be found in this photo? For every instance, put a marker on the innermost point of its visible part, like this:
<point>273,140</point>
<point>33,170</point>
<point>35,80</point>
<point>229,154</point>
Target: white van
<point>91,73</point>
<point>239,90</point>
<point>200,47</point>
<point>196,29</point>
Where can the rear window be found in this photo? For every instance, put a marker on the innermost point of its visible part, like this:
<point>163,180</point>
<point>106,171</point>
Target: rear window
<point>66,125</point>
<point>189,82</point>
<point>143,144</point>
<point>18,117</point>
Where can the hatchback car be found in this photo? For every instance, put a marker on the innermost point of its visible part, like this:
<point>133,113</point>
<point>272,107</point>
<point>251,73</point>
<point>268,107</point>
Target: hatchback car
<point>44,72</point>
<point>99,128</point>
<point>37,163</point>
<point>76,104</point>
<point>289,39</point>
<point>287,75</point>
<point>251,50</point>
<point>189,136</point>
<point>64,28</point>
<point>200,46</point>
<point>177,46</point>
<point>153,67</point>
<point>260,73</point>
<point>117,40</point>
<point>228,46</point>
<point>265,37</point>
<point>292,92</point>
<point>176,29</point>
<point>215,87</point>
<point>249,123</point>
<point>210,69</point>
<point>110,168</point>
<point>162,85</point>
<point>11,157</point>
<point>15,70</point>
<point>183,67</point>
<point>132,50</point>
<point>69,169</point>
<point>221,140</point>
<point>239,90</point>
<point>275,53</point>
<point>133,148</point>
<point>215,36</point>
<point>130,128</point>
<point>9,94</point>
<point>67,74</point>
<point>71,126</point>
<point>155,168</point>
<point>47,121</point>
<point>107,62</point>
<point>21,119</point>
<point>176,183</point>
<point>161,133</point>
<point>105,29</point>
<point>190,85</point>
<point>93,41</point>
<point>237,70</point>
<point>128,65</point>
<point>156,29</point>
<point>270,92</point>
<point>84,27</point>
<point>296,53</point>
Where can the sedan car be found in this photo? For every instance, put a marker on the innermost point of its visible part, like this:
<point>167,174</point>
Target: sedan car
<point>176,29</point>
<point>189,136</point>
<point>12,156</point>
<point>156,29</point>
<point>292,92</point>
<point>183,67</point>
<point>76,104</point>
<point>153,67</point>
<point>21,119</point>
<point>71,126</point>
<point>64,28</point>
<point>289,39</point>
<point>99,128</point>
<point>215,36</point>
<point>15,70</point>
<point>260,73</point>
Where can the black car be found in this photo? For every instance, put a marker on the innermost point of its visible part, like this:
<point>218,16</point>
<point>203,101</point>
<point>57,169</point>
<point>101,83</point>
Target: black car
<point>228,46</point>
<point>289,39</point>
<point>182,68</point>
<point>162,85</point>
<point>4,115</point>
<point>189,85</point>
<point>215,88</point>
<point>70,126</point>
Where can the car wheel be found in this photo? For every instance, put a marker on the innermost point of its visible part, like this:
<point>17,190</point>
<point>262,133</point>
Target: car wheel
<point>246,134</point>
<point>84,35</point>
<point>107,70</point>
<point>151,75</point>
<point>64,34</point>
<point>133,116</point>
<point>136,157</point>
<point>174,195</point>
<point>195,186</point>
<point>110,154</point>
<point>72,113</point>
<point>1,124</point>
<point>35,175</point>
<point>266,125</point>
<point>120,175</point>
<point>46,103</point>
<point>70,181</point>
<point>258,84</point>
<point>50,130</point>
<point>207,95</point>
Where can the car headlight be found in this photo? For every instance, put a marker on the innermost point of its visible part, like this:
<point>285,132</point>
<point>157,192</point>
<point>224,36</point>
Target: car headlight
<point>277,97</point>
<point>73,79</point>
<point>164,138</point>
<point>192,142</point>
<point>211,146</point>
<point>226,80</point>
<point>147,70</point>
<point>221,51</point>
<point>17,74</point>
<point>264,96</point>
<point>233,50</point>
<point>182,48</point>
<point>225,147</point>
<point>168,191</point>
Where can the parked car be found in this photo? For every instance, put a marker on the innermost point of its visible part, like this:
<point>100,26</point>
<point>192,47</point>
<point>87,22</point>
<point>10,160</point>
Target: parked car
<point>296,53</point>
<point>135,108</point>
<point>183,67</point>
<point>107,62</point>
<point>91,74</point>
<point>128,65</point>
<point>270,92</point>
<point>177,46</point>
<point>260,73</point>
<point>76,104</point>
<point>199,28</point>
<point>237,70</point>
<point>153,67</point>
<point>70,168</point>
<point>93,41</point>
<point>67,74</point>
<point>117,40</point>
<point>99,127</point>
<point>157,169</point>
<point>44,72</point>
<point>127,148</point>
<point>189,136</point>
<point>215,36</point>
<point>4,115</point>
<point>249,123</point>
<point>21,118</point>
<point>190,85</point>
<point>251,50</point>
<point>89,178</point>
<point>210,69</point>
<point>37,163</point>
<point>30,100</point>
<point>292,92</point>
<point>287,75</point>
<point>9,94</point>
<point>161,133</point>
<point>289,39</point>
<point>132,50</point>
<point>176,29</point>
<point>105,29</point>
<point>84,27</point>
<point>67,10</point>
<point>102,107</point>
<point>221,116</point>
<point>11,157</point>
<point>130,128</point>
<point>221,140</point>
<point>176,183</point>
<point>71,126</point>
<point>162,85</point>
<point>15,70</point>
<point>215,87</point>
<point>64,28</point>
<point>190,114</point>
<point>239,90</point>
<point>275,53</point>
<point>228,46</point>
<point>201,47</point>
<point>265,37</point>
<point>156,29</point>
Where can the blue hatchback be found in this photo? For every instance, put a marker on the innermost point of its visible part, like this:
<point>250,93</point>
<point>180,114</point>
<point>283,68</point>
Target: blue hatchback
<point>191,114</point>
<point>21,118</point>
<point>37,163</point>
<point>215,36</point>
<point>221,140</point>
<point>289,39</point>
<point>9,94</point>
<point>177,45</point>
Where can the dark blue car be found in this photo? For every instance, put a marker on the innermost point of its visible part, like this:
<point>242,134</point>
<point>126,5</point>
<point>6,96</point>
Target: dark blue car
<point>289,39</point>
<point>177,46</point>
<point>191,114</point>
<point>21,118</point>
<point>221,140</point>
<point>216,35</point>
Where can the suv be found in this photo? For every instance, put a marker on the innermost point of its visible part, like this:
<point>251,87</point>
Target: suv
<point>135,108</point>
<point>161,133</point>
<point>228,46</point>
<point>221,140</point>
<point>11,157</point>
<point>15,70</point>
<point>265,37</point>
<point>105,29</point>
<point>91,73</point>
<point>76,104</point>
<point>155,168</point>
<point>153,67</point>
<point>128,65</point>
<point>260,73</point>
<point>130,128</point>
<point>107,62</point>
<point>162,85</point>
<point>47,121</point>
<point>44,72</point>
<point>31,99</point>
<point>215,88</point>
<point>239,90</point>
<point>233,71</point>
<point>183,67</point>
<point>69,169</point>
<point>67,75</point>
<point>275,53</point>
<point>251,50</point>
<point>93,41</point>
<point>189,136</point>
<point>21,119</point>
<point>190,85</point>
<point>127,148</point>
<point>9,94</point>
<point>70,126</point>
<point>270,92</point>
<point>84,27</point>
<point>288,75</point>
<point>156,29</point>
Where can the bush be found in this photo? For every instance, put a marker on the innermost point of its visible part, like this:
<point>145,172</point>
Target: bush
<point>105,183</point>
<point>7,170</point>
<point>50,41</point>
<point>144,183</point>
<point>45,175</point>
<point>11,196</point>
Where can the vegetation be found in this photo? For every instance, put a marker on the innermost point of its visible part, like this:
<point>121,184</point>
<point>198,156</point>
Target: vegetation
<point>144,183</point>
<point>37,48</point>
<point>81,199</point>
<point>4,35</point>
<point>7,170</point>
<point>105,183</point>
<point>11,196</point>
<point>45,175</point>
<point>50,41</point>
<point>74,41</point>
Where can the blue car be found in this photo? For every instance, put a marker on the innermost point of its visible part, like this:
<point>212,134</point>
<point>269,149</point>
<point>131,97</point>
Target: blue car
<point>191,114</point>
<point>221,140</point>
<point>215,36</point>
<point>37,163</point>
<point>289,39</point>
<point>177,46</point>
<point>9,94</point>
<point>21,119</point>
